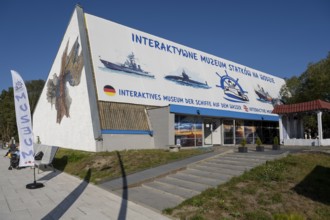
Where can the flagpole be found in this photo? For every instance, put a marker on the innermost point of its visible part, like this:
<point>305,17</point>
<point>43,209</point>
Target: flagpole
<point>35,184</point>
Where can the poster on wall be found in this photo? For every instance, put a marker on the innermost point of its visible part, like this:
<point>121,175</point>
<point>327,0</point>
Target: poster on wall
<point>131,66</point>
<point>188,131</point>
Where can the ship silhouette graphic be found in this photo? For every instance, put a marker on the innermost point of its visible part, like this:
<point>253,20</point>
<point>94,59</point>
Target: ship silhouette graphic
<point>185,80</point>
<point>129,66</point>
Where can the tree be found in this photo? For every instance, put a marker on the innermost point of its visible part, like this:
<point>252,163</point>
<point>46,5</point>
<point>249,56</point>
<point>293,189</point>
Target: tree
<point>8,126</point>
<point>315,82</point>
<point>312,84</point>
<point>289,91</point>
<point>7,115</point>
<point>34,88</point>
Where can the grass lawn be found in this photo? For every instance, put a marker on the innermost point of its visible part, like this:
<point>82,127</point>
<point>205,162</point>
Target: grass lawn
<point>295,187</point>
<point>107,165</point>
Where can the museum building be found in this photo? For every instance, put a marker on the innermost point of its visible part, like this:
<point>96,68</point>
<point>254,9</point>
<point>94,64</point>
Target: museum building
<point>112,87</point>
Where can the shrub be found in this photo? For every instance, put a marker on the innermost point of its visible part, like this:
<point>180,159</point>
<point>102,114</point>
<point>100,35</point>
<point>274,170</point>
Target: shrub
<point>258,141</point>
<point>243,142</point>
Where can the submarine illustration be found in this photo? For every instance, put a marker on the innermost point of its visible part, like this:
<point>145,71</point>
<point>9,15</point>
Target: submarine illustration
<point>185,80</point>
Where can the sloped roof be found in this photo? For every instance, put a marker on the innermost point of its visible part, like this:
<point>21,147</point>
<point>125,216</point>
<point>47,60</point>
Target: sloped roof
<point>302,107</point>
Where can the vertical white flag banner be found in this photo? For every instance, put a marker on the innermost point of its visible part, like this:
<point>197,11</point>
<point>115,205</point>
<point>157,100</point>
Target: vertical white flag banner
<point>23,118</point>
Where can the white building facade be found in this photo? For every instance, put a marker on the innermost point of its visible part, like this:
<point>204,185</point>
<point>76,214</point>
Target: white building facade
<point>112,87</point>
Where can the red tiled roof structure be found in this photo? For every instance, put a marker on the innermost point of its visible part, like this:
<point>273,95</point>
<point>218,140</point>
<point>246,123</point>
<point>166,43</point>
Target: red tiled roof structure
<point>302,107</point>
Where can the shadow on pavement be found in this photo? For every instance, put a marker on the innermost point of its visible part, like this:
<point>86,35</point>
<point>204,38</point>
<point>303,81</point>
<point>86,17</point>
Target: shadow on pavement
<point>123,206</point>
<point>67,202</point>
<point>49,176</point>
<point>60,165</point>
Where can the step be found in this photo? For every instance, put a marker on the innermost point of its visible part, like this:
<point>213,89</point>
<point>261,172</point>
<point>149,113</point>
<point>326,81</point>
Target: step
<point>219,170</point>
<point>253,156</point>
<point>196,179</point>
<point>183,183</point>
<point>184,193</point>
<point>153,198</point>
<point>235,162</point>
<point>227,166</point>
<point>202,173</point>
<point>230,157</point>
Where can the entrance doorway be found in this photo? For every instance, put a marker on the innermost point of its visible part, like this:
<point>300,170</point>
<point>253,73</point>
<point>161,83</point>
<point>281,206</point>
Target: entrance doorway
<point>211,131</point>
<point>208,129</point>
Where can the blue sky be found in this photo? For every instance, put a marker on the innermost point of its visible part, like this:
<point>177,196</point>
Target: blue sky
<point>277,37</point>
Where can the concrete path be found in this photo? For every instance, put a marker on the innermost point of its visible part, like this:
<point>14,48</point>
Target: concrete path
<point>62,197</point>
<point>67,197</point>
<point>189,178</point>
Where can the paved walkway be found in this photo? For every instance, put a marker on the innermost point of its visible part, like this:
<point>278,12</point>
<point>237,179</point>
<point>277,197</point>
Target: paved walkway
<point>67,197</point>
<point>63,197</point>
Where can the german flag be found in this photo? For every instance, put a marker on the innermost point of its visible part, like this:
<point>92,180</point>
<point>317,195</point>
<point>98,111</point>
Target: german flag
<point>109,90</point>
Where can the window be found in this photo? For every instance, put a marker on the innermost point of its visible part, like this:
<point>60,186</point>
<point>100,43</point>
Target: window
<point>188,131</point>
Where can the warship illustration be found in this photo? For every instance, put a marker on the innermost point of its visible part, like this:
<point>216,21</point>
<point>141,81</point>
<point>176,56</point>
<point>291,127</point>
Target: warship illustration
<point>263,95</point>
<point>185,80</point>
<point>129,66</point>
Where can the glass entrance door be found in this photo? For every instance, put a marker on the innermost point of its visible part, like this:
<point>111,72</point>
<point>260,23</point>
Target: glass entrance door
<point>208,131</point>
<point>228,131</point>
